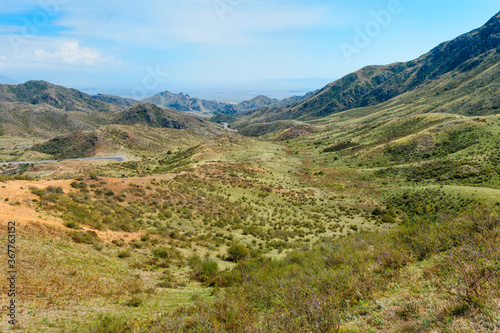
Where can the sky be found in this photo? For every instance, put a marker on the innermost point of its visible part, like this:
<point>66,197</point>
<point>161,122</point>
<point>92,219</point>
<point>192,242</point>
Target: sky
<point>220,49</point>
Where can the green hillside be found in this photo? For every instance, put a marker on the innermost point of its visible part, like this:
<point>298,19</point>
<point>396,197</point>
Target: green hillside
<point>459,76</point>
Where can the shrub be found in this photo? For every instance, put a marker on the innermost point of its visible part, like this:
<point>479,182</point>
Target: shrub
<point>203,270</point>
<point>72,225</point>
<point>123,254</point>
<point>84,237</point>
<point>166,253</point>
<point>237,252</point>
<point>78,185</point>
<point>135,302</point>
<point>108,324</point>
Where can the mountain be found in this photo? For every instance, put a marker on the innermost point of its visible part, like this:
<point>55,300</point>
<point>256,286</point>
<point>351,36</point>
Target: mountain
<point>75,145</point>
<point>42,109</point>
<point>120,101</point>
<point>294,99</point>
<point>449,78</point>
<point>185,103</point>
<point>20,120</point>
<point>154,116</point>
<point>182,102</point>
<point>142,128</point>
<point>59,97</point>
<point>257,102</point>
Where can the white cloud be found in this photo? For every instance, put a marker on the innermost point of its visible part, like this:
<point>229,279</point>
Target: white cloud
<point>49,52</point>
<point>70,52</point>
<point>162,24</point>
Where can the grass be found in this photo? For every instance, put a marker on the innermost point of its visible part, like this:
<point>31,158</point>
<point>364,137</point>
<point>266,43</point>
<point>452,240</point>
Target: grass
<point>181,230</point>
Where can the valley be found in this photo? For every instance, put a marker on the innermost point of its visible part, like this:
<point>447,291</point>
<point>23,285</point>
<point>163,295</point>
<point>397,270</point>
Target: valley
<point>371,205</point>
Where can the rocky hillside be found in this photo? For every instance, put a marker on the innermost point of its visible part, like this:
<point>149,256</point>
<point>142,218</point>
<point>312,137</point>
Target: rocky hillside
<point>185,103</point>
<point>75,145</point>
<point>442,78</point>
<point>120,101</point>
<point>154,116</point>
<point>45,93</point>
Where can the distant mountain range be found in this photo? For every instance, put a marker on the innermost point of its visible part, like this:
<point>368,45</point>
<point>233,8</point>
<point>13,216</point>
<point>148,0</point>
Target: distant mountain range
<point>186,103</point>
<point>460,76</point>
<point>42,109</point>
<point>42,93</point>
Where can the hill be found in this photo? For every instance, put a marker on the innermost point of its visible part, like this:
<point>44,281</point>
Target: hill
<point>256,103</point>
<point>154,116</point>
<point>378,218</point>
<point>185,103</point>
<point>75,145</point>
<point>120,101</point>
<point>59,97</point>
<point>21,120</point>
<point>142,128</point>
<point>459,76</point>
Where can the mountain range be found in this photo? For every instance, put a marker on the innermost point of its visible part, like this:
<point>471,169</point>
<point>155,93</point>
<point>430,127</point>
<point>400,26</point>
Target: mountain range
<point>458,76</point>
<point>186,103</point>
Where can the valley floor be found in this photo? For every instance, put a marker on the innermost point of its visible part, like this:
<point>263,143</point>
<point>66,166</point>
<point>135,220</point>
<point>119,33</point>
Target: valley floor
<point>102,244</point>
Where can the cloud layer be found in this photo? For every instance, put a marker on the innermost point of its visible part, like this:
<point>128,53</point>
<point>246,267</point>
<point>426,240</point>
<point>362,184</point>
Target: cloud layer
<point>69,52</point>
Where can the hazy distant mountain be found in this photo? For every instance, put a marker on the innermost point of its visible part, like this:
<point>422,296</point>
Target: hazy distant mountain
<point>459,76</point>
<point>256,103</point>
<point>185,103</point>
<point>120,101</point>
<point>182,102</point>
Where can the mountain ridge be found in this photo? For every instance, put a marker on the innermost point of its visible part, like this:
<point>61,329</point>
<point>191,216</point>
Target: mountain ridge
<point>473,53</point>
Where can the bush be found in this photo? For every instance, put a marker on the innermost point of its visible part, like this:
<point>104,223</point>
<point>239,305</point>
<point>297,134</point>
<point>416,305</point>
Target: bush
<point>72,225</point>
<point>108,324</point>
<point>135,302</point>
<point>123,254</point>
<point>237,252</point>
<point>84,237</point>
<point>203,270</point>
<point>166,253</point>
<point>78,185</point>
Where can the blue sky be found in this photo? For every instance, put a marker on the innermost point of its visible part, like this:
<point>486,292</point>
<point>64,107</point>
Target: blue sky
<point>208,46</point>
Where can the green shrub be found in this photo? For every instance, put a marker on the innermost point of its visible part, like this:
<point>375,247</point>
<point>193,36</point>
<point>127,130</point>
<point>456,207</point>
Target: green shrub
<point>237,252</point>
<point>203,270</point>
<point>123,254</point>
<point>72,225</point>
<point>166,253</point>
<point>134,301</point>
<point>106,324</point>
<point>84,237</point>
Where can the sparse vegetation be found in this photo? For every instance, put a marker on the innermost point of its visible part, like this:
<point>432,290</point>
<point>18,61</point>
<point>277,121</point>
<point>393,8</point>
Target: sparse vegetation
<point>379,218</point>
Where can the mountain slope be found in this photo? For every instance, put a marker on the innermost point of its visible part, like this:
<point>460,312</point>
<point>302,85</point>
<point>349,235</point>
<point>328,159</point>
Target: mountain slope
<point>120,101</point>
<point>185,103</point>
<point>453,65</point>
<point>21,120</point>
<point>182,102</point>
<point>154,116</point>
<point>257,102</point>
<point>75,145</point>
<point>45,93</point>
